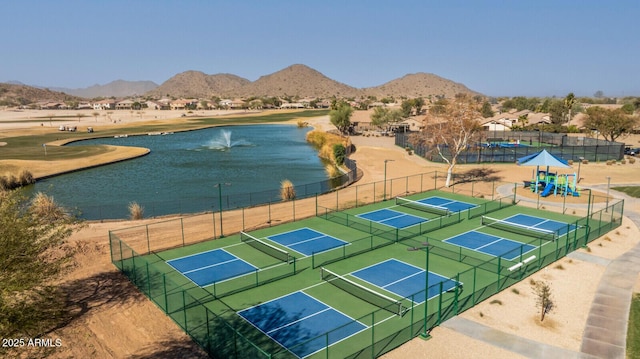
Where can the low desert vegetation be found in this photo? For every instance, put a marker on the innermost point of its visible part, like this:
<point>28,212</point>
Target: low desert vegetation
<point>136,211</point>
<point>328,144</point>
<point>544,300</point>
<point>287,190</point>
<point>35,253</point>
<point>9,182</point>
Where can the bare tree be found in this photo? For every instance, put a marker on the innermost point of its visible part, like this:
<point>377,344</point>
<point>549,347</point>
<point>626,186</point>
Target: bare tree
<point>542,290</point>
<point>451,129</point>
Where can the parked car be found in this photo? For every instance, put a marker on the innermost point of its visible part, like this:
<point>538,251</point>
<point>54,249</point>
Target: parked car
<point>631,151</point>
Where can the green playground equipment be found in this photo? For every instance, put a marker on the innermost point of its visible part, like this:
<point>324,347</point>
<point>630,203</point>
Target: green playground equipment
<point>558,184</point>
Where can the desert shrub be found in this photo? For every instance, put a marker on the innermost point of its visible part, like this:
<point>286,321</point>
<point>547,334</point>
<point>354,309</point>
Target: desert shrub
<point>496,301</point>
<point>302,124</point>
<point>515,290</point>
<point>632,160</point>
<point>339,153</point>
<point>325,143</point>
<point>45,206</point>
<point>287,190</point>
<point>136,211</point>
<point>26,178</point>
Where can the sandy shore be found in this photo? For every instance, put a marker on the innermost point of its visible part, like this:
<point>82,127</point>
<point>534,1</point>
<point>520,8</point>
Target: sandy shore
<point>114,320</point>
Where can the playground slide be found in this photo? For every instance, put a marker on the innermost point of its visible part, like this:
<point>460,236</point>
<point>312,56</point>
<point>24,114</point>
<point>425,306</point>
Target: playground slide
<point>547,190</point>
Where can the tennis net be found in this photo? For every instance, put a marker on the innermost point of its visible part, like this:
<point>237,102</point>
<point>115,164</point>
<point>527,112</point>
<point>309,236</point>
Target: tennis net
<point>265,247</point>
<point>378,299</point>
<point>421,206</point>
<point>517,228</point>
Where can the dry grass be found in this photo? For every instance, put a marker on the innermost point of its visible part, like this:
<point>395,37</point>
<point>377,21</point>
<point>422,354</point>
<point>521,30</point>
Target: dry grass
<point>45,206</point>
<point>325,141</point>
<point>332,171</point>
<point>287,190</point>
<point>136,211</point>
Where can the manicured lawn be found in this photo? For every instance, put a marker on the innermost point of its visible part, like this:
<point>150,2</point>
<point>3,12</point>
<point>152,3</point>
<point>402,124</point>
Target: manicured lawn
<point>633,191</point>
<point>633,332</point>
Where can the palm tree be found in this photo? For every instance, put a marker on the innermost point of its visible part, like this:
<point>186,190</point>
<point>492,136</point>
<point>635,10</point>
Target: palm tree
<point>569,101</point>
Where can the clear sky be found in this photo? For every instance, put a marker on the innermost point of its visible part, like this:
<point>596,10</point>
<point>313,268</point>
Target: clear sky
<point>498,48</point>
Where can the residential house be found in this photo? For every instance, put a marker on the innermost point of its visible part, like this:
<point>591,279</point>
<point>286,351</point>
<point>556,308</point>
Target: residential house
<point>106,104</point>
<point>124,105</point>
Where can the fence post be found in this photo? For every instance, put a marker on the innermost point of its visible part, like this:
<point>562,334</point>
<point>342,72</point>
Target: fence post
<point>182,229</point>
<point>148,242</point>
<point>164,290</point>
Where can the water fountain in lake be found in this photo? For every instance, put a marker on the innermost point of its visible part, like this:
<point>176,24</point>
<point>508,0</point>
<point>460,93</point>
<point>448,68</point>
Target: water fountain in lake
<point>223,142</point>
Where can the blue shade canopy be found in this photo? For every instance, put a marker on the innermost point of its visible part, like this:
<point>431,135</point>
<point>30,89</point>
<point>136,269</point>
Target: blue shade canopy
<point>543,158</point>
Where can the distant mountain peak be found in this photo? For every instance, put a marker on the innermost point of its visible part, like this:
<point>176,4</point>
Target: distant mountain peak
<point>297,80</point>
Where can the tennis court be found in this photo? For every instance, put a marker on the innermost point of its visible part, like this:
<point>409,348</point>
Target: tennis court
<point>392,218</point>
<point>405,280</point>
<point>212,266</point>
<point>439,202</point>
<point>294,319</point>
<point>307,241</point>
<point>540,224</point>
<point>490,244</point>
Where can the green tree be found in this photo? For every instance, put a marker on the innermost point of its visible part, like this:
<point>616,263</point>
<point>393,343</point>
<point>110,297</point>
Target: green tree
<point>611,123</point>
<point>406,107</point>
<point>380,116</point>
<point>451,130</point>
<point>339,152</point>
<point>486,110</point>
<point>34,254</point>
<point>418,104</point>
<point>341,116</point>
<point>383,116</point>
<point>557,113</point>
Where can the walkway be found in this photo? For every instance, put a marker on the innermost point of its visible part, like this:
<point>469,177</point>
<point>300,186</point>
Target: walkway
<point>605,333</point>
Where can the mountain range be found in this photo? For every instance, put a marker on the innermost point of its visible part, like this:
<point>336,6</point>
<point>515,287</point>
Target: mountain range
<point>295,81</point>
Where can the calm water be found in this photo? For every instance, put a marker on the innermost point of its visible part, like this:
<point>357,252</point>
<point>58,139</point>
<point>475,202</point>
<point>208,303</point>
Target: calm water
<point>182,170</point>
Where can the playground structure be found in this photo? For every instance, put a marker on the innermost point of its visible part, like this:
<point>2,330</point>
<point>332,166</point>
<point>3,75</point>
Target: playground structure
<point>547,183</point>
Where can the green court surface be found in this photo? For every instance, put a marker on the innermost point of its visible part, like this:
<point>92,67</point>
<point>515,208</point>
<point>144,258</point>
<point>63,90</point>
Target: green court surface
<point>209,313</point>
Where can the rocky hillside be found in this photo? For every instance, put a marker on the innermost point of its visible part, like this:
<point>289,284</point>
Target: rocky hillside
<point>419,85</point>
<point>296,80</point>
<point>302,81</point>
<point>16,95</point>
<point>196,84</point>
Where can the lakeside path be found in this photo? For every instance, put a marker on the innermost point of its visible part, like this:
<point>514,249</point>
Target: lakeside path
<point>113,318</point>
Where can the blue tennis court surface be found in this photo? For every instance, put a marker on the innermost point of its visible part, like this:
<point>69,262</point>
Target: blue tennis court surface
<point>404,279</point>
<point>392,218</point>
<point>559,228</point>
<point>307,241</point>
<point>296,319</point>
<point>210,267</point>
<point>450,204</point>
<point>489,244</point>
